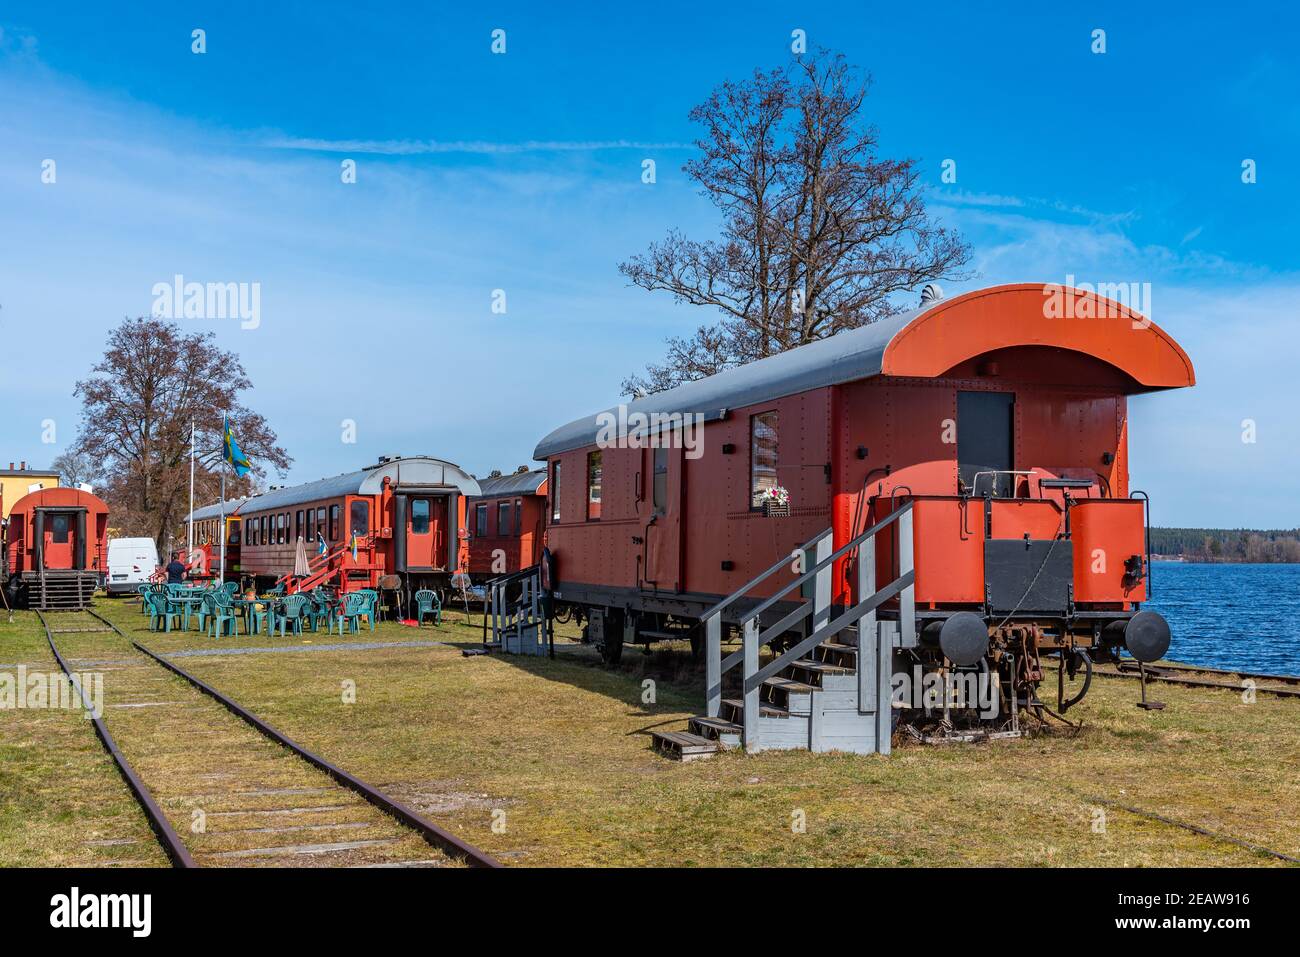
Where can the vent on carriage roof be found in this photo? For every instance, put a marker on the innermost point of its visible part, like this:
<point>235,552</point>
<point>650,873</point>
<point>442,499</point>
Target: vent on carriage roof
<point>932,292</point>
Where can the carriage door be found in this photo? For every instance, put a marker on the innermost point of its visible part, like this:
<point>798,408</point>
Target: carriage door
<point>59,547</point>
<point>986,441</point>
<point>663,529</point>
<point>426,532</point>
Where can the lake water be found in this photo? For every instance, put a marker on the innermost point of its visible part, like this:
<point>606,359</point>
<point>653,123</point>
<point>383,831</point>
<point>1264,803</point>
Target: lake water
<point>1231,616</point>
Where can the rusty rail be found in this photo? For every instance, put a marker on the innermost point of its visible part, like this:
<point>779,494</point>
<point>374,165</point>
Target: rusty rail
<point>1163,673</point>
<point>171,842</point>
<point>434,835</point>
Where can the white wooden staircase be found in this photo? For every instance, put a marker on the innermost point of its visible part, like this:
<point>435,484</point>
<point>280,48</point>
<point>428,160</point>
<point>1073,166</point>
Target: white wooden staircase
<point>830,691</point>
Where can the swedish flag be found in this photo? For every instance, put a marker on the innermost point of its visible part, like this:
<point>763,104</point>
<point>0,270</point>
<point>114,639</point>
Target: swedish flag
<point>230,450</point>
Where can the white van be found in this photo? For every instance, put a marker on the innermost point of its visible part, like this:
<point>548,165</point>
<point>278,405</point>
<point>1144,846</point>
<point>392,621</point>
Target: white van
<point>130,563</point>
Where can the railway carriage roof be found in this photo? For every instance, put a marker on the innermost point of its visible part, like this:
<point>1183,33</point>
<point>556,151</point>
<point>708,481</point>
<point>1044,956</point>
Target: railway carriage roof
<point>414,471</point>
<point>924,342</point>
<point>519,483</point>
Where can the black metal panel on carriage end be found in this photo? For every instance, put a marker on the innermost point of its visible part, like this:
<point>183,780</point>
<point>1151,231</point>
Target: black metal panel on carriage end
<point>399,533</point>
<point>1028,575</point>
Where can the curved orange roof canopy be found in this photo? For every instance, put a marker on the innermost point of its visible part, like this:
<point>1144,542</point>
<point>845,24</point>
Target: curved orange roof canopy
<point>1033,314</point>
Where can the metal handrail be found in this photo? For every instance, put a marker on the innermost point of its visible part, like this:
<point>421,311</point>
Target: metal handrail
<point>761,577</point>
<point>850,617</point>
<point>862,614</point>
<point>832,558</point>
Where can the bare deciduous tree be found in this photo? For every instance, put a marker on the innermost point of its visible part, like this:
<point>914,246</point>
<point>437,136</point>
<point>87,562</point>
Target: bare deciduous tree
<point>137,406</point>
<point>818,230</point>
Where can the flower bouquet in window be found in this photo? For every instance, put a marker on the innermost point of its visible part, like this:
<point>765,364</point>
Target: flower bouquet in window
<point>775,501</point>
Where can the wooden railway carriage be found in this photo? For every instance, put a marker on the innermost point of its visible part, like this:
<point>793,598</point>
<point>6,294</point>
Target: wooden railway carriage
<point>507,524</point>
<point>56,548</point>
<point>405,514</point>
<point>986,435</point>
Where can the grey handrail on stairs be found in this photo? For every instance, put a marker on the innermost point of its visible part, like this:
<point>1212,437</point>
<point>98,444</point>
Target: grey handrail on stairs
<point>863,614</point>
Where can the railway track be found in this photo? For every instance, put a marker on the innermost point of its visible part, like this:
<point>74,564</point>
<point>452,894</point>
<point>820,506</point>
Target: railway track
<point>1194,676</point>
<point>243,779</point>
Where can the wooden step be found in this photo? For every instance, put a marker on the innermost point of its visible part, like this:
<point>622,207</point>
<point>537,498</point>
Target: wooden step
<point>726,733</point>
<point>821,667</point>
<point>734,709</point>
<point>779,691</point>
<point>684,745</point>
<point>839,647</point>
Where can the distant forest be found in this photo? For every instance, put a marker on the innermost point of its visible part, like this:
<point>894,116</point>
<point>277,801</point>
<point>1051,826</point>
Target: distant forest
<point>1227,544</point>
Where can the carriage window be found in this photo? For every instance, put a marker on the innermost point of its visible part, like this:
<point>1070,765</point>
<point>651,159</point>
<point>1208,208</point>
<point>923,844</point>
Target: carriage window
<point>555,492</point>
<point>334,523</point>
<point>661,481</point>
<point>297,525</point>
<point>311,524</point>
<point>248,530</point>
<point>762,455</point>
<point>503,518</point>
<point>59,529</point>
<point>320,523</point>
<point>420,516</point>
<point>234,532</point>
<point>360,511</point>
<point>282,528</point>
<point>480,521</point>
<point>593,486</point>
<point>262,537</point>
<point>519,508</point>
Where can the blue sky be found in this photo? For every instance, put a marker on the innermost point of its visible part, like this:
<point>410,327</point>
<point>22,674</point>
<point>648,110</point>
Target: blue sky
<point>522,172</point>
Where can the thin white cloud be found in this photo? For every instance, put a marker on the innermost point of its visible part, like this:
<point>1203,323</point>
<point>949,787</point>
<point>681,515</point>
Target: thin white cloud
<point>480,147</point>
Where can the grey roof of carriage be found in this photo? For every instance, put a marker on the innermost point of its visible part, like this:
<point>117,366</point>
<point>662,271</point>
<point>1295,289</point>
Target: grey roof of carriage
<point>518,483</point>
<point>844,357</point>
<point>367,481</point>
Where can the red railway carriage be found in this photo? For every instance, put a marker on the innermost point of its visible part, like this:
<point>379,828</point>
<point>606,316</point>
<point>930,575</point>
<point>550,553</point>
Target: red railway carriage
<point>405,515</point>
<point>507,524</point>
<point>997,422</point>
<point>57,545</point>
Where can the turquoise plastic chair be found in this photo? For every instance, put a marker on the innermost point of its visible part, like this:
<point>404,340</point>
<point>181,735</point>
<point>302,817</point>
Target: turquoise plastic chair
<point>371,609</point>
<point>324,608</point>
<point>427,603</point>
<point>160,609</point>
<point>230,588</point>
<point>294,609</point>
<point>223,611</point>
<point>354,606</point>
<point>259,618</point>
<point>143,591</point>
<point>207,609</point>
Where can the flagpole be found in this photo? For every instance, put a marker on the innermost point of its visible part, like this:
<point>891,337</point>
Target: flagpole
<point>189,538</point>
<point>223,523</point>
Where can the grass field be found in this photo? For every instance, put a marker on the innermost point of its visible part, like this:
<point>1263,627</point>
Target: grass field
<point>547,762</point>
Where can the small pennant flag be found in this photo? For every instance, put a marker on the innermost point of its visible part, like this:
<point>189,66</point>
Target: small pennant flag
<point>321,549</point>
<point>354,546</point>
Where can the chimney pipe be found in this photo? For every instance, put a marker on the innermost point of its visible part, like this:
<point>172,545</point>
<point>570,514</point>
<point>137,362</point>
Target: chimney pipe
<point>23,466</point>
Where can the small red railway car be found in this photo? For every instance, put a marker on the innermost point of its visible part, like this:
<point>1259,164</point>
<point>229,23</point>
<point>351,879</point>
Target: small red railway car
<point>998,418</point>
<point>57,545</point>
<point>507,524</point>
<point>405,514</point>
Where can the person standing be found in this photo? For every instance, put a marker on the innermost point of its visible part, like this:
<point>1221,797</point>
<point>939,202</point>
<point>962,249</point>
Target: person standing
<point>176,570</point>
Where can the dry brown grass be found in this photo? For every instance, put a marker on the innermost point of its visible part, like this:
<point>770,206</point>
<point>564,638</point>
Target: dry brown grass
<point>561,749</point>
